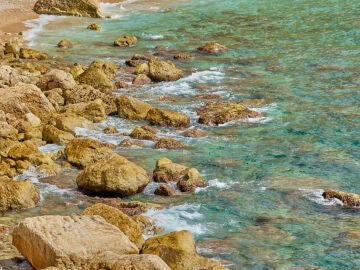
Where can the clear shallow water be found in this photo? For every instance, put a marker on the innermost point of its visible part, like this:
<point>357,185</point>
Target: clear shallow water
<point>266,177</point>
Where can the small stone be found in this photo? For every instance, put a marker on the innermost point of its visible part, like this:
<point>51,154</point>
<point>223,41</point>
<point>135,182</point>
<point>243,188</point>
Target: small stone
<point>165,190</point>
<point>64,43</point>
<point>110,130</point>
<point>213,48</point>
<point>126,41</point>
<point>94,26</point>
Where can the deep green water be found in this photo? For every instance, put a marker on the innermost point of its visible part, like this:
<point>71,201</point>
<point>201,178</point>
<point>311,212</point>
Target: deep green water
<point>266,177</point>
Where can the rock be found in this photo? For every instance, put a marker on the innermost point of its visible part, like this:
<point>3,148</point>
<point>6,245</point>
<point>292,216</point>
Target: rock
<point>96,78</point>
<point>132,208</point>
<point>69,121</point>
<point>17,194</point>
<point>163,71</point>
<point>126,41</point>
<point>182,56</point>
<point>87,93</point>
<point>26,53</point>
<point>141,79</point>
<point>64,43</point>
<point>147,225</point>
<point>347,198</point>
<point>53,135</point>
<point>194,133</point>
<point>141,68</point>
<point>76,70</point>
<point>169,143</point>
<point>7,131</point>
<point>11,48</point>
<point>94,26</point>
<point>56,78</point>
<point>55,97</point>
<point>117,218</point>
<point>178,251</point>
<point>110,130</point>
<point>108,67</point>
<point>86,8</point>
<point>187,178</point>
<point>24,98</point>
<point>132,108</point>
<point>83,152</point>
<point>216,113</point>
<point>93,110</point>
<point>113,174</point>
<point>165,190</point>
<point>10,76</point>
<point>213,48</point>
<point>68,242</point>
<point>144,133</point>
<point>165,117</point>
<point>131,143</point>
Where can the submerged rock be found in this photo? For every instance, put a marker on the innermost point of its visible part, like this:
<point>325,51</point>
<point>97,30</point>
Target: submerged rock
<point>17,194</point>
<point>347,198</point>
<point>216,113</point>
<point>94,26</point>
<point>131,143</point>
<point>194,133</point>
<point>68,242</point>
<point>178,250</point>
<point>64,43</point>
<point>160,70</point>
<point>117,218</point>
<point>165,117</point>
<point>132,108</point>
<point>113,174</point>
<point>169,143</point>
<point>213,48</point>
<point>87,8</point>
<point>126,41</point>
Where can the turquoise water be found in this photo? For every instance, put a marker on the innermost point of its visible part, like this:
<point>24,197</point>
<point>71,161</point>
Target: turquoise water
<point>263,208</point>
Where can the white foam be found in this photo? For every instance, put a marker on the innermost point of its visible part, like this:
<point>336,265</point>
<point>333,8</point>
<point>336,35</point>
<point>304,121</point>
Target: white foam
<point>152,186</point>
<point>50,147</point>
<point>215,183</point>
<point>36,26</point>
<point>212,75</point>
<point>152,36</point>
<point>315,195</point>
<point>181,217</point>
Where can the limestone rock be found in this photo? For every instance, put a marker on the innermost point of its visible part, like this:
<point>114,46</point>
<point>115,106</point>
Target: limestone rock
<point>108,67</point>
<point>141,79</point>
<point>132,108</point>
<point>96,78</point>
<point>94,26</point>
<point>55,97</point>
<point>178,251</point>
<point>93,110</point>
<point>69,121</point>
<point>64,43</point>
<point>126,41</point>
<point>86,8</point>
<point>56,78</point>
<point>117,218</point>
<point>7,131</point>
<point>347,198</point>
<point>165,190</point>
<point>76,70</point>
<point>83,152</point>
<point>216,113</point>
<point>169,143</point>
<point>26,53</point>
<point>68,242</point>
<point>144,133</point>
<point>141,68</point>
<point>10,76</point>
<point>24,98</point>
<point>131,143</point>
<point>213,48</point>
<point>165,117</point>
<point>110,130</point>
<point>194,133</point>
<point>191,180</point>
<point>160,70</point>
<point>53,135</point>
<point>17,194</point>
<point>113,174</point>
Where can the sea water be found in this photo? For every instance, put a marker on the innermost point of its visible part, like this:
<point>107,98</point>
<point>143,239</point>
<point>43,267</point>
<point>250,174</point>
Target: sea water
<point>263,207</point>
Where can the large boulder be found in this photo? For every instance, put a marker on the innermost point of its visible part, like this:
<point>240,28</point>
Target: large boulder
<point>83,152</point>
<point>160,70</point>
<point>187,178</point>
<point>17,194</point>
<point>87,8</point>
<point>69,121</point>
<point>132,108</point>
<point>68,242</point>
<point>178,250</point>
<point>24,98</point>
<point>56,78</point>
<point>95,77</point>
<point>212,48</point>
<point>117,218</point>
<point>217,113</point>
<point>93,110</point>
<point>113,174</point>
<point>347,198</point>
<point>165,117</point>
<point>53,135</point>
<point>108,67</point>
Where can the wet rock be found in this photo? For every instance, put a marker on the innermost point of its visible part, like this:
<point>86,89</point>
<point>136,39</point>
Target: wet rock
<point>135,207</point>
<point>69,121</point>
<point>132,143</point>
<point>96,78</point>
<point>110,130</point>
<point>56,78</point>
<point>86,8</point>
<point>141,79</point>
<point>132,108</point>
<point>160,70</point>
<point>53,135</point>
<point>117,218</point>
<point>165,117</point>
<point>347,198</point>
<point>178,250</point>
<point>169,143</point>
<point>144,133</point>
<point>64,43</point>
<point>216,113</point>
<point>194,133</point>
<point>165,190</point>
<point>93,110</point>
<point>26,53</point>
<point>94,26</point>
<point>213,48</point>
<point>83,152</point>
<point>182,56</point>
<point>191,180</point>
<point>213,246</point>
<point>142,68</point>
<point>17,194</point>
<point>113,174</point>
<point>126,41</point>
<point>68,242</point>
<point>294,184</point>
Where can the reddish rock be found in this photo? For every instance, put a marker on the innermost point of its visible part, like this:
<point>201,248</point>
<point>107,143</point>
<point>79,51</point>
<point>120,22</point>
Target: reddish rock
<point>165,190</point>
